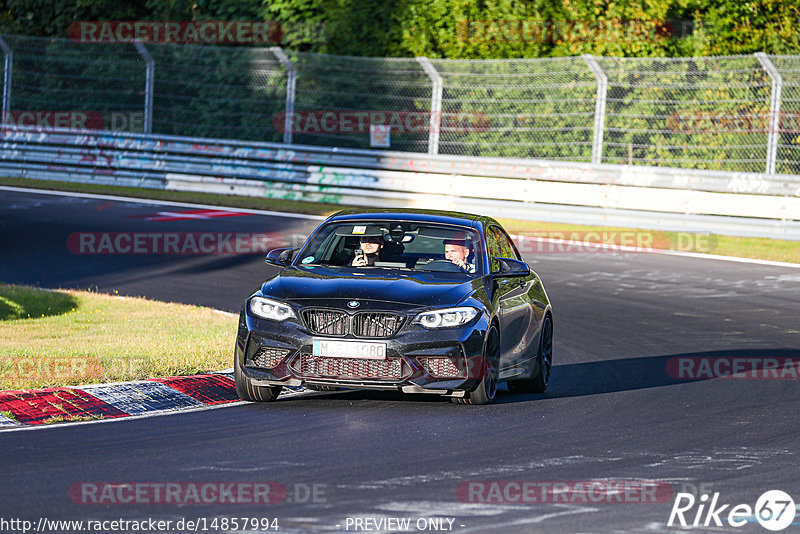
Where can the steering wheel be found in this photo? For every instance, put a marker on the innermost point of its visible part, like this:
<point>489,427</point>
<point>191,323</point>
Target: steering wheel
<point>442,266</point>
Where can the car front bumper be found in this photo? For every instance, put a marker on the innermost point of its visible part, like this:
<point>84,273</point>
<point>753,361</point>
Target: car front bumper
<point>446,361</point>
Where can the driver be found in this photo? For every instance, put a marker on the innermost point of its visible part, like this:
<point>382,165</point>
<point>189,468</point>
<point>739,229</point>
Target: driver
<point>457,251</point>
<point>371,245</point>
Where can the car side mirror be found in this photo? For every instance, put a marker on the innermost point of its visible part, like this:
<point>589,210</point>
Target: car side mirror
<point>510,267</point>
<point>280,256</point>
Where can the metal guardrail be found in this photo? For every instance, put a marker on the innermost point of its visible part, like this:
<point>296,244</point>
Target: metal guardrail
<point>619,195</point>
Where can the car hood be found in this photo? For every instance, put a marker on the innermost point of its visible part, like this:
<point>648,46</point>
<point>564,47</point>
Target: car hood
<point>319,284</point>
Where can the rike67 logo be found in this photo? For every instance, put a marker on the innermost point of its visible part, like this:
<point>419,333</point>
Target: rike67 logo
<point>774,510</point>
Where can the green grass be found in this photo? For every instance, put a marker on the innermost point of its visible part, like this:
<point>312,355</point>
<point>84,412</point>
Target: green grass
<point>65,418</point>
<point>21,303</point>
<point>9,415</point>
<point>60,338</point>
<point>743,247</point>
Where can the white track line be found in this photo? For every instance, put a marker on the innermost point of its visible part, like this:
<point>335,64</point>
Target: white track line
<point>695,255</point>
<point>162,202</point>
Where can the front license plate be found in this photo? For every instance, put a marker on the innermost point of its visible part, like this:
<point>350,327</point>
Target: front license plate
<point>349,349</point>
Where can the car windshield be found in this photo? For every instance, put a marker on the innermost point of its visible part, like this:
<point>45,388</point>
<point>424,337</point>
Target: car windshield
<point>397,244</point>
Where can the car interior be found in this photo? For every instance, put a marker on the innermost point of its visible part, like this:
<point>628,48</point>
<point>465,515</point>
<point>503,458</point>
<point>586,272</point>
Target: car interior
<point>405,246</point>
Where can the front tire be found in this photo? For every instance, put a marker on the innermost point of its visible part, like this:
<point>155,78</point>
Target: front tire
<point>486,390</point>
<point>538,384</point>
<point>248,391</point>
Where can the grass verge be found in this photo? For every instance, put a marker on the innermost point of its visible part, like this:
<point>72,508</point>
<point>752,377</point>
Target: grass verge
<point>59,338</point>
<point>742,247</point>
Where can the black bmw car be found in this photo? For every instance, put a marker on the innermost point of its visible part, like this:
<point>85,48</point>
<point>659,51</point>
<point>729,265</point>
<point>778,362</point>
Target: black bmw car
<point>416,301</point>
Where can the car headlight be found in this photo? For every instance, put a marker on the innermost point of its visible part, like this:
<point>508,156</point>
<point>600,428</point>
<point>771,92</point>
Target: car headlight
<point>270,309</point>
<point>446,318</point>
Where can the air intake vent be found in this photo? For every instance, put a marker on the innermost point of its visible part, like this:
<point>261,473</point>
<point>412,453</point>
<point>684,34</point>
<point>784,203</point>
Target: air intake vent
<point>308,366</point>
<point>269,357</point>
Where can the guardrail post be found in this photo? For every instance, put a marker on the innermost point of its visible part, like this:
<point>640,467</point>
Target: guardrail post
<point>291,77</point>
<point>599,107</point>
<point>774,110</point>
<point>9,58</point>
<point>435,123</point>
<point>148,86</point>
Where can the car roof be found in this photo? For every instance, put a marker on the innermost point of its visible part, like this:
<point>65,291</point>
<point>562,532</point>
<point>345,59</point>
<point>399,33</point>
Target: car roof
<point>418,215</point>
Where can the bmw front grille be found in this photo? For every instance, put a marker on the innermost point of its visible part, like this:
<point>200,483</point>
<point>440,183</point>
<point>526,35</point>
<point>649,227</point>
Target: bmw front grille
<point>327,322</point>
<point>376,324</point>
<point>362,324</point>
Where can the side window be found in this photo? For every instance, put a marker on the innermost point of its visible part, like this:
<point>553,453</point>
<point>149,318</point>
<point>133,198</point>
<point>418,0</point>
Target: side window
<point>510,248</point>
<point>493,247</point>
<point>500,245</point>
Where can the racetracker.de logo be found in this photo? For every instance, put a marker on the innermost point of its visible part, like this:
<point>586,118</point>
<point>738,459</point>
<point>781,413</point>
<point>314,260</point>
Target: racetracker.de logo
<point>710,122</point>
<point>55,369</point>
<point>733,367</point>
<point>560,31</point>
<point>401,122</point>
<point>185,32</point>
<point>607,241</point>
<point>189,243</point>
<point>581,491</point>
<point>75,119</point>
<point>105,493</point>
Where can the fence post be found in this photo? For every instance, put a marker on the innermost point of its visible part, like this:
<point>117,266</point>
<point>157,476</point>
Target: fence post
<point>774,110</point>
<point>599,107</point>
<point>9,58</point>
<point>148,86</point>
<point>291,76</point>
<point>435,123</point>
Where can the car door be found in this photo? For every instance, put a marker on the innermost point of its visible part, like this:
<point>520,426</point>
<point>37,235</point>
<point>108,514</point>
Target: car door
<point>515,311</point>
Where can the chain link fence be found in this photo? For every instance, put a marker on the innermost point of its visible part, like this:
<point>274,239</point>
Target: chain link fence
<point>736,113</point>
<point>219,92</point>
<point>788,146</point>
<point>338,97</point>
<point>58,81</point>
<point>530,108</point>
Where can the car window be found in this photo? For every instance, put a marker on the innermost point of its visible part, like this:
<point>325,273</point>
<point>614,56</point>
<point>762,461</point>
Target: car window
<point>403,245</point>
<point>493,248</point>
<point>499,245</point>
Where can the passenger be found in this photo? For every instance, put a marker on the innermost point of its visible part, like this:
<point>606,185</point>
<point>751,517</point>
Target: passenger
<point>371,245</point>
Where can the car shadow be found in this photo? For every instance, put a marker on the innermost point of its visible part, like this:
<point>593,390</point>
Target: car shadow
<point>625,374</point>
<point>371,395</point>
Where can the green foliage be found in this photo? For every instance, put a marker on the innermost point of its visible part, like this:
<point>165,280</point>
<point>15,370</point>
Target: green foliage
<point>600,27</point>
<point>536,109</point>
<point>735,27</point>
<point>46,18</point>
<point>461,28</point>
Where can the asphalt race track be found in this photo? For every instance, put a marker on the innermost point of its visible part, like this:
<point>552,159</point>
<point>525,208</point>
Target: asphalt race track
<point>613,412</point>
